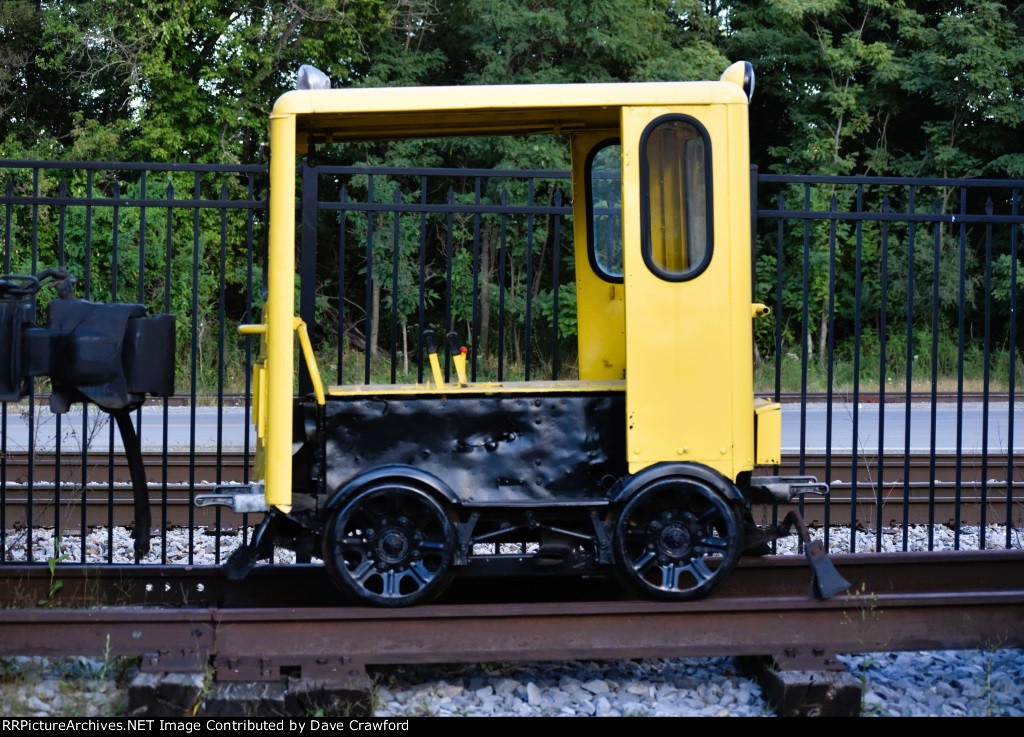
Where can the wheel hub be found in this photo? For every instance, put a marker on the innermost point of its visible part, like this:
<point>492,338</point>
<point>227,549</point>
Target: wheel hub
<point>675,540</point>
<point>392,545</point>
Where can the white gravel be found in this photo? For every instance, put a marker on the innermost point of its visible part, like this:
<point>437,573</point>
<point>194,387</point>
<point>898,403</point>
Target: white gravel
<point>933,683</point>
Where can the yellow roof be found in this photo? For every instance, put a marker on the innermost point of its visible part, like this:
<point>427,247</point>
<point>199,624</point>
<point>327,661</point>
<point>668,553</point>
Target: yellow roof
<point>402,112</point>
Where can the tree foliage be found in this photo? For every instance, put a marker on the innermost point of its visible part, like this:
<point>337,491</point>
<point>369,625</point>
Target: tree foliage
<point>167,80</point>
<point>877,87</point>
<point>852,87</point>
<point>909,87</point>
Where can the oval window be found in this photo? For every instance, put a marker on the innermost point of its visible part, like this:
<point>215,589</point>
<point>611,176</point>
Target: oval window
<point>604,195</point>
<point>675,184</point>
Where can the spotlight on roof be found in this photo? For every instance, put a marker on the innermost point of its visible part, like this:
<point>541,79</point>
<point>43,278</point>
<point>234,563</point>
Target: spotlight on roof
<point>311,78</point>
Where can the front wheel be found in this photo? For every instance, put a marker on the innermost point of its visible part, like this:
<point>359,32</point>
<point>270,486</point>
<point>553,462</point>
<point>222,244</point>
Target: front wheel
<point>391,545</point>
<point>677,539</point>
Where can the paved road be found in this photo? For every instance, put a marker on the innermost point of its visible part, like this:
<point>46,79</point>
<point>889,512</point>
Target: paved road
<point>802,427</point>
<point>185,429</point>
<point>954,429</point>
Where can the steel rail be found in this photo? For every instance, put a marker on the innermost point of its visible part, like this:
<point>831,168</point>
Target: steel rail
<point>232,463</point>
<point>922,488</point>
<point>286,620</point>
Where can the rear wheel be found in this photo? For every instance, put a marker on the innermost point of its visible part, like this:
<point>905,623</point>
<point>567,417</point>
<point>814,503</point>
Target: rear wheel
<point>391,545</point>
<point>677,539</point>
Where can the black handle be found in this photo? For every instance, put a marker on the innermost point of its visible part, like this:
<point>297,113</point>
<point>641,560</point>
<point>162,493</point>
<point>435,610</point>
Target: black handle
<point>428,338</point>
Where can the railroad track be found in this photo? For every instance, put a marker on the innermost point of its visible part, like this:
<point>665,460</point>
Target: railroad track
<point>187,620</point>
<point>935,490</point>
<point>174,478</point>
<point>175,468</point>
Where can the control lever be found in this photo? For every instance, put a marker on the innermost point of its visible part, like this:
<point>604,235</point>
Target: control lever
<point>435,364</point>
<point>458,357</point>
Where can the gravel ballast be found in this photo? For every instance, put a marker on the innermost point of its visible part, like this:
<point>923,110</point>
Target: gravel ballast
<point>930,683</point>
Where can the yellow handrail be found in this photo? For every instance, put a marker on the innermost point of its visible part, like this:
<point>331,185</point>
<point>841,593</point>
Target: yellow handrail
<point>307,353</point>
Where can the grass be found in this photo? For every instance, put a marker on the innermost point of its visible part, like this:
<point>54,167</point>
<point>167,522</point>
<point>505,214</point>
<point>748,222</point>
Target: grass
<point>791,369</point>
<point>791,373</point>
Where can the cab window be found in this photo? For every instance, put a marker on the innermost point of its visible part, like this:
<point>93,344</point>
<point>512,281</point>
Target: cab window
<point>675,184</point>
<point>604,224</point>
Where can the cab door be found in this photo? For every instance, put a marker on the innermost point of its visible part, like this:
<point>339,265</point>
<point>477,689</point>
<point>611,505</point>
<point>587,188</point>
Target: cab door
<point>680,294</point>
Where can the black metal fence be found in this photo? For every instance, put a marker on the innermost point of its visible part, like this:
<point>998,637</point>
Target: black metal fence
<point>882,290</point>
<point>485,253</point>
<point>904,294</point>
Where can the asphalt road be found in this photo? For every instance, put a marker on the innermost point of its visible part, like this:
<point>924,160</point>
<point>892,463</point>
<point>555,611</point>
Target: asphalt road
<point>945,428</point>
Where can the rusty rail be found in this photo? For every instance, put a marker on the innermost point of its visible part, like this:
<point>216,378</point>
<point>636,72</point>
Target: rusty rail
<point>287,620</point>
<point>942,493</point>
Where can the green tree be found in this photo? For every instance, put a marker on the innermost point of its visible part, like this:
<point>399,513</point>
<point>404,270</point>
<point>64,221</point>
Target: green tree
<point>877,87</point>
<point>871,87</point>
<point>171,80</point>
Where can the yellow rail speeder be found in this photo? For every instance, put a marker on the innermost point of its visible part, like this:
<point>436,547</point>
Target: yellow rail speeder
<point>642,468</point>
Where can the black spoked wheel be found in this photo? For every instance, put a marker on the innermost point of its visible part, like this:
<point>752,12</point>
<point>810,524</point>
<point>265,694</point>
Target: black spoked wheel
<point>390,546</point>
<point>677,539</point>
